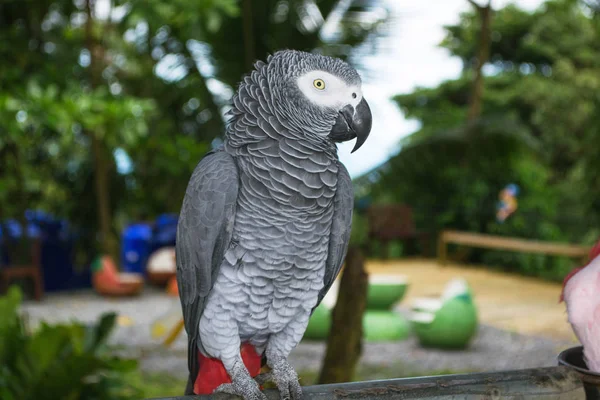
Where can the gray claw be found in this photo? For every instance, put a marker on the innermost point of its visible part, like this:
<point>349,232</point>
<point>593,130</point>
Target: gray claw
<point>245,387</point>
<point>226,388</point>
<point>287,381</point>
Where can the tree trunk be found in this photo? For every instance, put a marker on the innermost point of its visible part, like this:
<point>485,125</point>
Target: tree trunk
<point>22,198</point>
<point>482,57</point>
<point>344,344</point>
<point>108,242</point>
<point>19,251</point>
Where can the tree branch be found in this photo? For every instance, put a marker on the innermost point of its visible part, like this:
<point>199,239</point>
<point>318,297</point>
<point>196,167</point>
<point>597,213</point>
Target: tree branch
<point>482,57</point>
<point>474,4</point>
<point>526,384</point>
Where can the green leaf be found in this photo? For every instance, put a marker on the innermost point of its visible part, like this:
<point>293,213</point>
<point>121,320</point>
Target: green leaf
<point>102,330</point>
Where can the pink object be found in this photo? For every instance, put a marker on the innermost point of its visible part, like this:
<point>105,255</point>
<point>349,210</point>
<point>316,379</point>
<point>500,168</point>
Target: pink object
<point>581,294</point>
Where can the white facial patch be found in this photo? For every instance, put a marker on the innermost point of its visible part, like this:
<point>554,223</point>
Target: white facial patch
<point>327,90</point>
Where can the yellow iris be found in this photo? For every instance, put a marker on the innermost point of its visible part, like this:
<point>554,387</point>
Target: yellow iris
<point>319,84</point>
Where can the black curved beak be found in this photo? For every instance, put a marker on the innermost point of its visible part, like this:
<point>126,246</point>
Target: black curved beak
<point>353,123</point>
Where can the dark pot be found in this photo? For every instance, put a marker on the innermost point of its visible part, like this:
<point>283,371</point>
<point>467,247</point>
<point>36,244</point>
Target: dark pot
<point>573,358</point>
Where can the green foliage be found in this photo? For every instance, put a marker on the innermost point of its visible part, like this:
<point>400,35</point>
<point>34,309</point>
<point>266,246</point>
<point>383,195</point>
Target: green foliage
<point>59,361</point>
<point>156,385</point>
<point>539,120</point>
<point>150,83</point>
<point>359,233</point>
<point>453,179</point>
<point>547,72</point>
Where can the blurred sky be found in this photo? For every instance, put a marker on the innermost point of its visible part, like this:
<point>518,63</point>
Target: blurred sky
<point>407,57</point>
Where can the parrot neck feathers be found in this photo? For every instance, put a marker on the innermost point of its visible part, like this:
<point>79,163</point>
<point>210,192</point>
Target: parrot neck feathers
<point>257,114</point>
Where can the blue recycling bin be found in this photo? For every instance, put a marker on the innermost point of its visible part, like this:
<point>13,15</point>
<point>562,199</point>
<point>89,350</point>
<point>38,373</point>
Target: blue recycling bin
<point>14,230</point>
<point>57,252</point>
<point>57,241</point>
<point>165,231</point>
<point>135,247</point>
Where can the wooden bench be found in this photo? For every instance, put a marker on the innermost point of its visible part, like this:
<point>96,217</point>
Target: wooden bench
<point>505,243</point>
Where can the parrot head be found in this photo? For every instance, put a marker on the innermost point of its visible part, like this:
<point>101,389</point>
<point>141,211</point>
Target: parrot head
<point>594,253</point>
<point>320,96</point>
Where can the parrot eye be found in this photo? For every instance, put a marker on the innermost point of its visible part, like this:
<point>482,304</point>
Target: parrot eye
<point>319,84</point>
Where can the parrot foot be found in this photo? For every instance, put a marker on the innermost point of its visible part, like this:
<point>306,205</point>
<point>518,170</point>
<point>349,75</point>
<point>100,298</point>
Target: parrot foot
<point>286,380</point>
<point>263,378</point>
<point>243,386</point>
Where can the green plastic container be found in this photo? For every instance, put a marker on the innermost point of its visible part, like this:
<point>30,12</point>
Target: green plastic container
<point>319,323</point>
<point>382,293</point>
<point>453,325</point>
<point>385,291</point>
<point>385,326</point>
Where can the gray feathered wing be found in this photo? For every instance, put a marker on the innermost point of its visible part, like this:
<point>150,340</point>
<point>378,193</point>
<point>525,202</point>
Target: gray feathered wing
<point>203,235</point>
<point>341,227</point>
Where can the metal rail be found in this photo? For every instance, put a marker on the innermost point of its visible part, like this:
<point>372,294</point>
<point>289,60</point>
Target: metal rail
<point>555,383</point>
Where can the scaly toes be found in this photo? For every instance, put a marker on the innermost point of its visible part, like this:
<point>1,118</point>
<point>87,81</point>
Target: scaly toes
<point>287,382</point>
<point>246,388</point>
<point>226,388</point>
<point>296,390</point>
<point>263,378</point>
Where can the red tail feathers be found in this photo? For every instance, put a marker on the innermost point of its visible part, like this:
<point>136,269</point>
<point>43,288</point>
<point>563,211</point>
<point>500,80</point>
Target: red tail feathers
<point>212,373</point>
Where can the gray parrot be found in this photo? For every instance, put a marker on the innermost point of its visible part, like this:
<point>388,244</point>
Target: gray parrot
<point>265,222</point>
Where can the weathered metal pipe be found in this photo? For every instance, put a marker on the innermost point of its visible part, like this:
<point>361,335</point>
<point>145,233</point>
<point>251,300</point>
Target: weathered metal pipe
<point>555,383</point>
